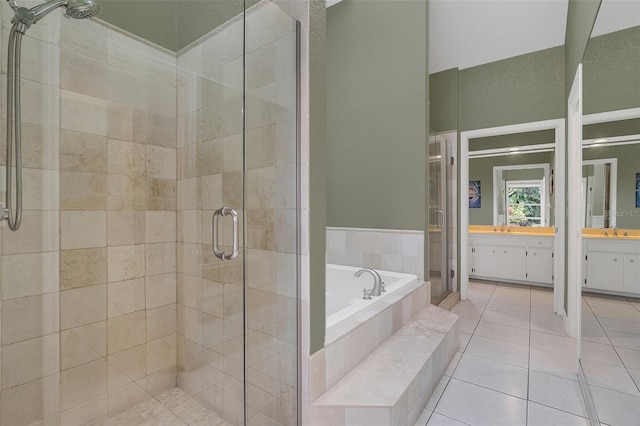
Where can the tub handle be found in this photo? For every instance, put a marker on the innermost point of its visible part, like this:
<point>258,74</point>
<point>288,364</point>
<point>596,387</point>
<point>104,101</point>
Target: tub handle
<point>224,255</point>
<point>366,294</point>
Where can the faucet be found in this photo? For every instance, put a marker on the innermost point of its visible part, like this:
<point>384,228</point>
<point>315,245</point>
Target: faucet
<point>378,285</point>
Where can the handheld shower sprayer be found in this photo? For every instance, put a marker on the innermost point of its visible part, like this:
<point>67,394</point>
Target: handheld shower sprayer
<point>22,20</point>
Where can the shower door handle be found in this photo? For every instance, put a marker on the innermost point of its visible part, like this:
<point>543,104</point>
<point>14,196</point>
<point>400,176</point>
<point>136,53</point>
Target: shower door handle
<point>224,255</point>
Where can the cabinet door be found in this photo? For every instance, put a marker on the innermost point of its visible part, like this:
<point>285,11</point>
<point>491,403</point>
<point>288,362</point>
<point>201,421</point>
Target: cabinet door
<point>540,265</point>
<point>631,274</point>
<point>513,264</point>
<point>485,261</point>
<point>604,270</point>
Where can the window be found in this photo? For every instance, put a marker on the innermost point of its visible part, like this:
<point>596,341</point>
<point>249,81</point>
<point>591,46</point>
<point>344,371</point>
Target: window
<point>525,203</point>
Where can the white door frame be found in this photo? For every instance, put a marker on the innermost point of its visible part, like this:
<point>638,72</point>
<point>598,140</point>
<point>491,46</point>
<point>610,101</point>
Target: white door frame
<point>558,125</point>
<point>574,224</point>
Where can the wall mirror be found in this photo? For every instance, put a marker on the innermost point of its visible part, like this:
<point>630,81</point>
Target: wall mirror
<point>610,214</point>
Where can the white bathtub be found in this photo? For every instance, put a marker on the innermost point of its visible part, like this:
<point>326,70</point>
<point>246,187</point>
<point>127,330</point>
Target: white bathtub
<point>344,292</point>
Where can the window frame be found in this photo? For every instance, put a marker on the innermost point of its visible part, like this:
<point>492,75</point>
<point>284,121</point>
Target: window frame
<point>531,183</point>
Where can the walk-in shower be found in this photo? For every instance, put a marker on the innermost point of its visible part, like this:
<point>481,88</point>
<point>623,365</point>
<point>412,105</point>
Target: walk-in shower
<point>23,19</point>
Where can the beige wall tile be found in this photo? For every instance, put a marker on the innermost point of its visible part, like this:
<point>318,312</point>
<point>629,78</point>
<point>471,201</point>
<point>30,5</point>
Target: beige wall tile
<point>82,75</point>
<point>161,194</point>
<point>161,131</point>
<point>38,233</point>
<point>120,122</point>
<point>83,191</point>
<point>29,317</point>
<point>131,362</point>
<point>91,412</point>
<point>191,324</point>
<point>161,162</point>
<point>83,113</point>
<point>125,297</point>
<point>83,267</point>
<point>83,344</point>
<point>82,152</point>
<point>211,192</point>
<point>189,226</point>
<point>161,354</point>
<point>161,322</point>
<point>30,402</point>
<point>126,88</point>
<point>83,383</point>
<point>126,192</point>
<point>190,291</point>
<point>125,228</point>
<point>160,290</point>
<point>40,189</point>
<point>84,38</point>
<point>40,103</point>
<point>126,262</point>
<point>30,360</point>
<point>162,380</point>
<point>160,226</point>
<point>212,298</point>
<point>83,229</point>
<point>29,274</point>
<point>212,157</point>
<point>39,147</point>
<point>126,331</point>
<point>161,258</point>
<point>125,158</point>
<point>83,306</point>
<point>126,397</point>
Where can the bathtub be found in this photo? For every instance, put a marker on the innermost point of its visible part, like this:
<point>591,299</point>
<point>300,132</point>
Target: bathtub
<point>344,292</point>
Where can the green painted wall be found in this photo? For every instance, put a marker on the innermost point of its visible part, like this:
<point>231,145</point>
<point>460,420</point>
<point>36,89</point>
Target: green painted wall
<point>443,97</point>
<point>611,70</point>
<point>515,90</point>
<point>376,114</point>
<point>317,172</point>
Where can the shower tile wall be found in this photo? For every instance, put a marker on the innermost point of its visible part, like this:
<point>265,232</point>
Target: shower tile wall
<point>89,282</point>
<point>210,149</point>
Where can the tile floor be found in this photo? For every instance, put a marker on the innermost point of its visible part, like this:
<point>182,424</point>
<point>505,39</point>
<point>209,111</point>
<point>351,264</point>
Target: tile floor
<point>171,408</point>
<point>516,365</point>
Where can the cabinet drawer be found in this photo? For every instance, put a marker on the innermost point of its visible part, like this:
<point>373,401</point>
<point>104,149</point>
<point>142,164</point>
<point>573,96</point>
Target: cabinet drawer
<point>540,243</point>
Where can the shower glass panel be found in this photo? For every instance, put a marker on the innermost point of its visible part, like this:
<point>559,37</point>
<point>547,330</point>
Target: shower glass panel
<point>113,305</point>
<point>438,217</point>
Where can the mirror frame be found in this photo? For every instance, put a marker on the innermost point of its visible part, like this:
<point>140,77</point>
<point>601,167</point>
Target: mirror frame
<point>558,125</point>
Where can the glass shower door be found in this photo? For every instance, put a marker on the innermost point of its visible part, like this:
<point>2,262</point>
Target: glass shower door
<point>437,220</point>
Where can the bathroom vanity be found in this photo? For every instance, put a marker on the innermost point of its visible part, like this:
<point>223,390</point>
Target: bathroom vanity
<point>611,261</point>
<point>511,254</point>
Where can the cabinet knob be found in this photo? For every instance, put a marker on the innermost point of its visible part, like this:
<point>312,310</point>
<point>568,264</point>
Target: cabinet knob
<point>615,259</point>
<point>630,260</point>
<point>505,252</point>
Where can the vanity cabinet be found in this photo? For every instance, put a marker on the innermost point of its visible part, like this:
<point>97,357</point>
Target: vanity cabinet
<point>511,258</point>
<point>611,265</point>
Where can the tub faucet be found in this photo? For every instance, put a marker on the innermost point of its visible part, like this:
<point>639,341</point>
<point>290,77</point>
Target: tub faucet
<point>377,282</point>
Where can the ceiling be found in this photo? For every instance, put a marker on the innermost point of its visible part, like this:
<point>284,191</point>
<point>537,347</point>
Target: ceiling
<point>462,33</point>
<point>467,33</point>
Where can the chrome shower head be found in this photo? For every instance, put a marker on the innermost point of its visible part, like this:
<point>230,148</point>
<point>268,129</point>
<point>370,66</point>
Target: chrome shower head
<point>82,9</point>
<point>77,9</point>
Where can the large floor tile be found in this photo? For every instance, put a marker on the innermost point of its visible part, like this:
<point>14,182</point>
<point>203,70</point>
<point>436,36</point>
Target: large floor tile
<point>608,302</point>
<point>554,343</point>
<point>468,309</point>
<point>630,358</point>
<point>624,340</point>
<point>619,314</point>
<point>635,375</point>
<point>554,363</point>
<point>542,298</point>
<point>467,325</point>
<point>600,352</point>
<point>620,326</point>
<point>499,351</point>
<point>557,392</point>
<point>494,375</point>
<point>544,320</point>
<point>475,405</point>
<point>505,333</point>
<point>541,415</point>
<point>438,419</point>
<point>609,376</point>
<point>507,297</point>
<point>514,320</point>
<point>463,341</point>
<point>615,408</point>
<point>592,331</point>
<point>510,308</point>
